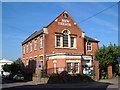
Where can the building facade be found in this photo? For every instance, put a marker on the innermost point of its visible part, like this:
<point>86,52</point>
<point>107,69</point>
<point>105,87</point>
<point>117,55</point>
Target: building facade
<point>60,46</point>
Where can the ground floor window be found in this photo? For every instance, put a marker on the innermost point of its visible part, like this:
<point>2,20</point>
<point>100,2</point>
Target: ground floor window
<point>69,68</point>
<point>76,68</point>
<point>55,68</point>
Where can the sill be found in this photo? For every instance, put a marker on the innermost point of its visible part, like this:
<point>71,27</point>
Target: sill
<point>65,48</point>
<point>73,48</point>
<point>89,50</point>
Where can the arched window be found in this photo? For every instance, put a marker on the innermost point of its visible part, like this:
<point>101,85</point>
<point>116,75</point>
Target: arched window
<point>65,38</point>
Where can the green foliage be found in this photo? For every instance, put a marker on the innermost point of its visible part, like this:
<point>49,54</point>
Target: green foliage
<point>15,67</point>
<point>67,78</point>
<point>107,55</point>
<point>6,68</point>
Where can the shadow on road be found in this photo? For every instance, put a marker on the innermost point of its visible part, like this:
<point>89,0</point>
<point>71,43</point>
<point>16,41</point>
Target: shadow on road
<point>80,86</point>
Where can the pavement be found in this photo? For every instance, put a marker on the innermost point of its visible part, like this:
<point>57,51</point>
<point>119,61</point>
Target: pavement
<point>104,84</point>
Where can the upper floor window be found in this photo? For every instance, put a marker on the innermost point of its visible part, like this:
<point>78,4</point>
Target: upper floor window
<point>72,42</point>
<point>27,48</point>
<point>58,40</point>
<point>31,46</point>
<point>41,42</point>
<point>27,62</point>
<point>23,49</point>
<point>65,38</point>
<point>35,44</point>
<point>89,46</point>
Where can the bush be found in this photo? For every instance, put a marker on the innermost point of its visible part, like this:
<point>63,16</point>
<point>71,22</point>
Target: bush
<point>67,78</point>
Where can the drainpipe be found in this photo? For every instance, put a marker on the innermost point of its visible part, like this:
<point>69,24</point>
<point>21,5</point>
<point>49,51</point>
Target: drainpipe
<point>44,50</point>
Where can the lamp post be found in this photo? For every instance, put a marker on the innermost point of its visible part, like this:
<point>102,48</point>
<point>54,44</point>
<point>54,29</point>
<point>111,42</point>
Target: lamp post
<point>118,59</point>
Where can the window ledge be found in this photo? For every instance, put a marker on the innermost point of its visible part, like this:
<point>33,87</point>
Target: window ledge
<point>89,50</point>
<point>73,48</point>
<point>64,48</point>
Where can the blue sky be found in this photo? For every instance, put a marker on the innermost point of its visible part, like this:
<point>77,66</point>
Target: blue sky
<point>19,20</point>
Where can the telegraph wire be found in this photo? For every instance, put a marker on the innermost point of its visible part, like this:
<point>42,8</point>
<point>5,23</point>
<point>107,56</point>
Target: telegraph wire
<point>98,13</point>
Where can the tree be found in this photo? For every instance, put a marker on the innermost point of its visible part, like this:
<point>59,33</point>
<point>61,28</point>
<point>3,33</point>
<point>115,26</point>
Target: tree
<point>15,67</point>
<point>107,55</point>
<point>6,67</point>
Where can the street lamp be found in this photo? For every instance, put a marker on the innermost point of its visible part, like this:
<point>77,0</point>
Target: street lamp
<point>118,59</point>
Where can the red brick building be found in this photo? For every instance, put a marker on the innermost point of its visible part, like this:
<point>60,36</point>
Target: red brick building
<point>60,46</point>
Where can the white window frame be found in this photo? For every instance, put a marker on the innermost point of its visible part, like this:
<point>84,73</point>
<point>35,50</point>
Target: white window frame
<point>56,40</point>
<point>35,44</point>
<point>41,63</point>
<point>23,49</point>
<point>70,67</point>
<point>31,46</point>
<point>27,62</point>
<point>26,48</point>
<point>55,69</point>
<point>89,46</point>
<point>41,41</point>
<point>78,67</point>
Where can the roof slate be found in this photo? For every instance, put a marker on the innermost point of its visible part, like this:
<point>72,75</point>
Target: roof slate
<point>90,39</point>
<point>33,35</point>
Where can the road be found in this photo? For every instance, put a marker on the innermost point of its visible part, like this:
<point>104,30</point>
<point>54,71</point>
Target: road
<point>102,84</point>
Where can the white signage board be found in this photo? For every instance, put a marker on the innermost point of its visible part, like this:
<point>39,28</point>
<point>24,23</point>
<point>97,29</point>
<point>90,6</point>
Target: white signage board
<point>87,57</point>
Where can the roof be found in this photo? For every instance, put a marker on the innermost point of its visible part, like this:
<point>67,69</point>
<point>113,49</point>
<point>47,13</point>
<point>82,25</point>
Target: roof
<point>91,39</point>
<point>33,35</point>
<point>5,61</point>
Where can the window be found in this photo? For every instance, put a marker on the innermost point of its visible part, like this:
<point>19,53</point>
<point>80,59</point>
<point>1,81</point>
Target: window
<point>65,38</point>
<point>27,48</point>
<point>41,43</point>
<point>34,63</point>
<point>89,46</point>
<point>27,62</point>
<point>30,46</point>
<point>40,66</point>
<point>23,49</point>
<point>57,41</point>
<point>55,68</point>
<point>65,15</point>
<point>69,68</point>
<point>35,44</point>
<point>76,67</point>
<point>72,42</point>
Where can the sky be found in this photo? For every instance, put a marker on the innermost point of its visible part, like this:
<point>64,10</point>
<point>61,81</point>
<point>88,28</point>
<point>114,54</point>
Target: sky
<point>19,20</point>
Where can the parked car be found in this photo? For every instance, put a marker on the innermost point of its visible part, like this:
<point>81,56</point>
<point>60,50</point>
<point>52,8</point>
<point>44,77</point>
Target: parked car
<point>18,77</point>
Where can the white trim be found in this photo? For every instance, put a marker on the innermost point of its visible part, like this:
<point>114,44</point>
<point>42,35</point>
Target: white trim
<point>55,69</point>
<point>70,68</point>
<point>30,57</point>
<point>77,61</point>
<point>88,45</point>
<point>35,56</point>
<point>78,69</point>
<point>41,55</point>
<point>63,57</point>
<point>54,61</point>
